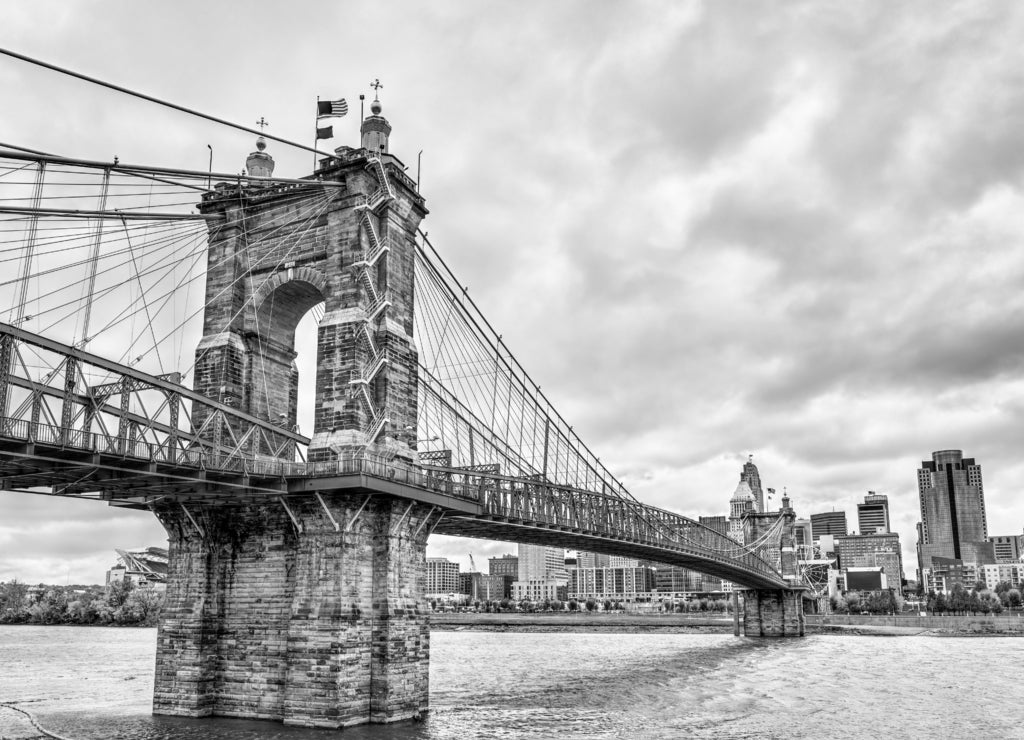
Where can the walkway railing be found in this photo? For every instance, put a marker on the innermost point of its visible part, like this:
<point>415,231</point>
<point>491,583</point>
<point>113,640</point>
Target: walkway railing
<point>525,502</point>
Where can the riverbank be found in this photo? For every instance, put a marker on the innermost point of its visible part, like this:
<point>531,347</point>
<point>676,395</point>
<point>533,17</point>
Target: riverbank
<point>579,622</point>
<point>937,626</point>
<point>959,626</point>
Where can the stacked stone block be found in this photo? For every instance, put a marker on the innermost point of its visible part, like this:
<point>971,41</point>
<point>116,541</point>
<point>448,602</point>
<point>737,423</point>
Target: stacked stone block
<point>317,627</point>
<point>773,613</point>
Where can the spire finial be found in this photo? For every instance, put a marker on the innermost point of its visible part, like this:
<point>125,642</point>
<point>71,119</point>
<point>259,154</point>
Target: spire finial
<point>375,106</point>
<point>261,143</point>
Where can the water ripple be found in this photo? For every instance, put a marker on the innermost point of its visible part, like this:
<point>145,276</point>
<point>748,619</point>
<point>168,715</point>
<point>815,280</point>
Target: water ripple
<point>96,684</point>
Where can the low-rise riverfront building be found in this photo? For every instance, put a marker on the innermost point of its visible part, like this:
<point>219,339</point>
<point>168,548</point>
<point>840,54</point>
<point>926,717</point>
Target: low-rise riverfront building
<point>615,584</point>
<point>540,589</point>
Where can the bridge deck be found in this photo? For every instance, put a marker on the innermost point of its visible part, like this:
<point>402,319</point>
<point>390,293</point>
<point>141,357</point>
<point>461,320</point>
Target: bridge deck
<point>135,474</point>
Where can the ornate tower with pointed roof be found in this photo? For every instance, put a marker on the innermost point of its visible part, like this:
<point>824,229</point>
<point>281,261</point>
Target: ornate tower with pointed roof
<point>741,503</point>
<point>751,475</point>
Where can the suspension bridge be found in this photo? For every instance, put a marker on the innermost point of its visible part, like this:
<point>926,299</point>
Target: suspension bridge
<point>147,360</point>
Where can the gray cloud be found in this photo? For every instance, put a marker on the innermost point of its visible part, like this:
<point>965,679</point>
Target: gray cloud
<point>790,229</point>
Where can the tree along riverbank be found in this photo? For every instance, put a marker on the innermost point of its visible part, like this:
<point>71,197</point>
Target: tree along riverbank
<point>579,622</point>
<point>117,604</point>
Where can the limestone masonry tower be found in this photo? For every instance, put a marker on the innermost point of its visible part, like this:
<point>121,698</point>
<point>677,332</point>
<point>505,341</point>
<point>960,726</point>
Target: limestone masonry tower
<point>350,247</point>
<point>307,608</point>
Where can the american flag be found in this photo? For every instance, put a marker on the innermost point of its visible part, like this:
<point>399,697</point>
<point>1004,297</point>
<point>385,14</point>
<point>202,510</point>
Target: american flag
<point>328,108</point>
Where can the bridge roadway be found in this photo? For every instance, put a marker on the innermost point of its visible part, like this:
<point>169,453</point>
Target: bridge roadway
<point>135,474</point>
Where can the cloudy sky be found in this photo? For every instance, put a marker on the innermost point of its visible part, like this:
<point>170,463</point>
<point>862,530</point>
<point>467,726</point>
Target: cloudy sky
<point>706,229</point>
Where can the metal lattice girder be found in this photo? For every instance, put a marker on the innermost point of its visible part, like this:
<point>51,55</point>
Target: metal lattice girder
<point>43,390</point>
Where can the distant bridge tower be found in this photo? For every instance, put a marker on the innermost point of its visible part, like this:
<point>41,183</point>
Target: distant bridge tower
<point>774,612</point>
<point>307,609</point>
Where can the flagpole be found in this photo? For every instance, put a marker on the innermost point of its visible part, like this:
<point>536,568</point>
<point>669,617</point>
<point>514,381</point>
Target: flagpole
<point>316,120</point>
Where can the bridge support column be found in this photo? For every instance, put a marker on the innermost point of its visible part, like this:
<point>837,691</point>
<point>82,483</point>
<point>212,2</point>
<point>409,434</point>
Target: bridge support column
<point>283,614</point>
<point>773,613</point>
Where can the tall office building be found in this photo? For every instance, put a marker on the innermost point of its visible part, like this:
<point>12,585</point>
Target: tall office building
<point>829,522</point>
<point>873,514</point>
<point>952,510</point>
<point>542,573</point>
<point>537,562</point>
<point>803,539</point>
<point>753,479</point>
<point>442,576</point>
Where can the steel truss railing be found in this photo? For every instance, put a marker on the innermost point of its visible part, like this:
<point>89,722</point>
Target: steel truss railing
<point>536,503</point>
<point>48,388</point>
<point>515,501</point>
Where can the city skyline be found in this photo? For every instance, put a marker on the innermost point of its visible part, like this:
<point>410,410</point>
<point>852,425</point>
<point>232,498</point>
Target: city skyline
<point>796,238</point>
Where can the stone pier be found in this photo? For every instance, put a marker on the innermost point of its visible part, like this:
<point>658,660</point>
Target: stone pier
<point>773,613</point>
<point>312,614</point>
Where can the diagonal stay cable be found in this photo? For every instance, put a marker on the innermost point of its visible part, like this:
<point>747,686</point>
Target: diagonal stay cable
<point>142,292</point>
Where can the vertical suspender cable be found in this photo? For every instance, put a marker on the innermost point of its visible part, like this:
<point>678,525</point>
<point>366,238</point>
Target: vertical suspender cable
<point>30,243</point>
<point>94,258</point>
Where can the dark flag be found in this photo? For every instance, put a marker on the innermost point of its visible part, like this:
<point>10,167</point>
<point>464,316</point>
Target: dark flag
<point>328,108</point>
<point>327,132</point>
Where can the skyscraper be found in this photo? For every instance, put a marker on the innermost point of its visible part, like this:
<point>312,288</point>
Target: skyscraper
<point>829,522</point>
<point>753,478</point>
<point>873,514</point>
<point>542,573</point>
<point>952,509</point>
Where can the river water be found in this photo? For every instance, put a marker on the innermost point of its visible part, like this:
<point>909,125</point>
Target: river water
<point>85,683</point>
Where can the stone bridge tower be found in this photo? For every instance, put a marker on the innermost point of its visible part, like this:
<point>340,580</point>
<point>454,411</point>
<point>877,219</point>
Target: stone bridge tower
<point>778,612</point>
<point>278,253</point>
<point>306,608</point>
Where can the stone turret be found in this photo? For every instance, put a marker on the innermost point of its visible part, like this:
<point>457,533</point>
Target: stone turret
<point>375,130</point>
<point>259,163</point>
